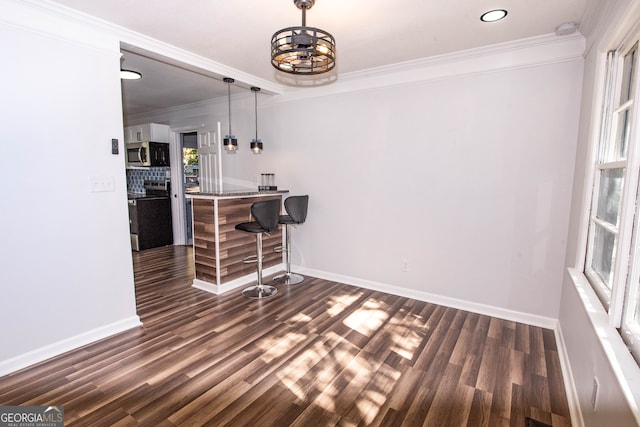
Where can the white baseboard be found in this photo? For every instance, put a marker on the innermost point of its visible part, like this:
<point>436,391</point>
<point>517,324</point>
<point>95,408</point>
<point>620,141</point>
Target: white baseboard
<point>501,313</point>
<point>236,283</point>
<point>38,355</point>
<point>569,382</point>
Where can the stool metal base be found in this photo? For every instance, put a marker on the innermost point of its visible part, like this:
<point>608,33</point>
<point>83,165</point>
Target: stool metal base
<point>288,279</point>
<point>263,291</point>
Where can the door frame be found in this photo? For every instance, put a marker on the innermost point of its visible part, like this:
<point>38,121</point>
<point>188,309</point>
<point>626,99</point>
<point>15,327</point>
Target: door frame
<point>177,187</point>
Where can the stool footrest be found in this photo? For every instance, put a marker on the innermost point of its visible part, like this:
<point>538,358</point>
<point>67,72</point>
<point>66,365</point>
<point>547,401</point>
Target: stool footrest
<point>251,259</point>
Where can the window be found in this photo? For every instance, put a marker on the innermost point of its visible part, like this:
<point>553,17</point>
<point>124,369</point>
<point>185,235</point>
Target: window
<point>613,249</point>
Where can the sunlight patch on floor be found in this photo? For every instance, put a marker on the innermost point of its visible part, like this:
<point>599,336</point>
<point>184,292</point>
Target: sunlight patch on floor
<point>279,345</point>
<point>300,318</point>
<point>307,363</point>
<point>367,319</point>
<point>369,404</point>
<point>381,379</point>
<point>406,345</point>
<point>338,303</point>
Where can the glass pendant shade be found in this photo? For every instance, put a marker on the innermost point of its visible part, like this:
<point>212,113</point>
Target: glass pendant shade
<point>256,144</point>
<point>303,50</point>
<point>230,141</point>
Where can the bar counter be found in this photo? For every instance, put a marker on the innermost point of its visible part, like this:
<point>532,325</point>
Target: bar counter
<point>219,249</point>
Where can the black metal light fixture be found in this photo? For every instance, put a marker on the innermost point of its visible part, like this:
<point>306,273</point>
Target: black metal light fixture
<point>303,50</point>
<point>230,141</point>
<point>256,144</point>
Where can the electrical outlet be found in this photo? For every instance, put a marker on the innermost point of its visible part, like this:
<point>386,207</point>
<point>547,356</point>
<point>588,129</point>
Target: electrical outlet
<point>405,264</point>
<point>594,393</point>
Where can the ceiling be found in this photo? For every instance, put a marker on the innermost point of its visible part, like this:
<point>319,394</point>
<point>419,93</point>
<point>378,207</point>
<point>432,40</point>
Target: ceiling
<point>368,34</point>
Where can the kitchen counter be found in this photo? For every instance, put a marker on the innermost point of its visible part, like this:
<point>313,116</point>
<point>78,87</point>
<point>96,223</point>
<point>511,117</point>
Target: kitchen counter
<point>235,193</point>
<point>219,249</point>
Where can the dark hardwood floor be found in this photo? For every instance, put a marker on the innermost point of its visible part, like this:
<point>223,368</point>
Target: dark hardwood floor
<point>320,353</point>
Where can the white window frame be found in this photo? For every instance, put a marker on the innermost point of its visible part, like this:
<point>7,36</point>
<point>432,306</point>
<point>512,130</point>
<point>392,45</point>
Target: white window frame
<point>625,278</point>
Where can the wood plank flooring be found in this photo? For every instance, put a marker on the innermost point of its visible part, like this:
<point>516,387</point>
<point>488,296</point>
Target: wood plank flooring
<point>317,354</point>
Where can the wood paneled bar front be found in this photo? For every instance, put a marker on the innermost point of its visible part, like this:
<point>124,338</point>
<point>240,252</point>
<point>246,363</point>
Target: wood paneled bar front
<point>219,249</point>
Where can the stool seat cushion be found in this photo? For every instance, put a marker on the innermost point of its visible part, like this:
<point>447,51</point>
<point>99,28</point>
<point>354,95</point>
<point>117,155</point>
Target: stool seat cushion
<point>265,213</point>
<point>250,227</point>
<point>286,219</point>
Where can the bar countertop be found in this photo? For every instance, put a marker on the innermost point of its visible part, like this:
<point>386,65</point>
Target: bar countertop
<point>234,194</point>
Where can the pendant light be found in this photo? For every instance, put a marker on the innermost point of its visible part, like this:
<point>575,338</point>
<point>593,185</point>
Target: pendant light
<point>256,144</point>
<point>303,50</point>
<point>128,74</point>
<point>230,141</point>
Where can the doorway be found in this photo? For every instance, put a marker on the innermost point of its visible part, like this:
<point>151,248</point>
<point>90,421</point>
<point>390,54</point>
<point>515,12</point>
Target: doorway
<point>190,178</point>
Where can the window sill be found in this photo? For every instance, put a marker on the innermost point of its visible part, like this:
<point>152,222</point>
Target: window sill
<point>623,365</point>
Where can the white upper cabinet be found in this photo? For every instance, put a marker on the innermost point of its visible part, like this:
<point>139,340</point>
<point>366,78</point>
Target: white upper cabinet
<point>147,132</point>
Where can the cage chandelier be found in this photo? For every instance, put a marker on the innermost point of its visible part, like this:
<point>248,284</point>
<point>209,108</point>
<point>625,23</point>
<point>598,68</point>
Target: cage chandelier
<point>303,50</point>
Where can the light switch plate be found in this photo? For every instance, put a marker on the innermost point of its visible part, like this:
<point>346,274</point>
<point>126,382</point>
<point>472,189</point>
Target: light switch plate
<point>114,146</point>
<point>101,184</point>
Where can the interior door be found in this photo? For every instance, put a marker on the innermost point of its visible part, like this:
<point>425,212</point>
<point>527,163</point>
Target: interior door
<point>210,159</point>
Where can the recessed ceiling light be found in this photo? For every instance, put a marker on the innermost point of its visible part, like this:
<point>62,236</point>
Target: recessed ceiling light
<point>493,15</point>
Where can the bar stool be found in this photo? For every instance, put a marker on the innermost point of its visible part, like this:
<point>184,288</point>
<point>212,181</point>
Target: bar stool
<point>296,207</point>
<point>266,214</point>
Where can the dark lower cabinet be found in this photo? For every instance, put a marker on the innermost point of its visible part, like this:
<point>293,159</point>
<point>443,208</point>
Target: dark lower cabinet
<point>150,222</point>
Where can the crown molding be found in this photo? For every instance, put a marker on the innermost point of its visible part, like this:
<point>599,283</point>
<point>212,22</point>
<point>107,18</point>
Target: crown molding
<point>523,53</point>
<point>52,20</point>
<point>56,20</point>
<point>529,51</point>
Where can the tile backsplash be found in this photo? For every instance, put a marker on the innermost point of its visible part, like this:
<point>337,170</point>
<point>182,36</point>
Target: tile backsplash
<point>136,178</point>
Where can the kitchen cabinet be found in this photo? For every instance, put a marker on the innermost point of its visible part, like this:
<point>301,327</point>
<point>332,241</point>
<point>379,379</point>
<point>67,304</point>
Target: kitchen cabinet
<point>159,155</point>
<point>150,222</point>
<point>147,132</point>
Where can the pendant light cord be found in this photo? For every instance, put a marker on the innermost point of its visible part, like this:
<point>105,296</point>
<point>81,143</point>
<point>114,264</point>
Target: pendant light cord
<point>255,93</point>
<point>229,98</point>
<point>228,81</point>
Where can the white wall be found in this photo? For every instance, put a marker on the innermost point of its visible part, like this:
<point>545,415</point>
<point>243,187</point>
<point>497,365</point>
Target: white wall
<point>594,348</point>
<point>468,177</point>
<point>66,261</point>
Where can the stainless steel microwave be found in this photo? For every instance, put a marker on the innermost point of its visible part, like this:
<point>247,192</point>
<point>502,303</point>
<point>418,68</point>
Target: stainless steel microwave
<point>148,153</point>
